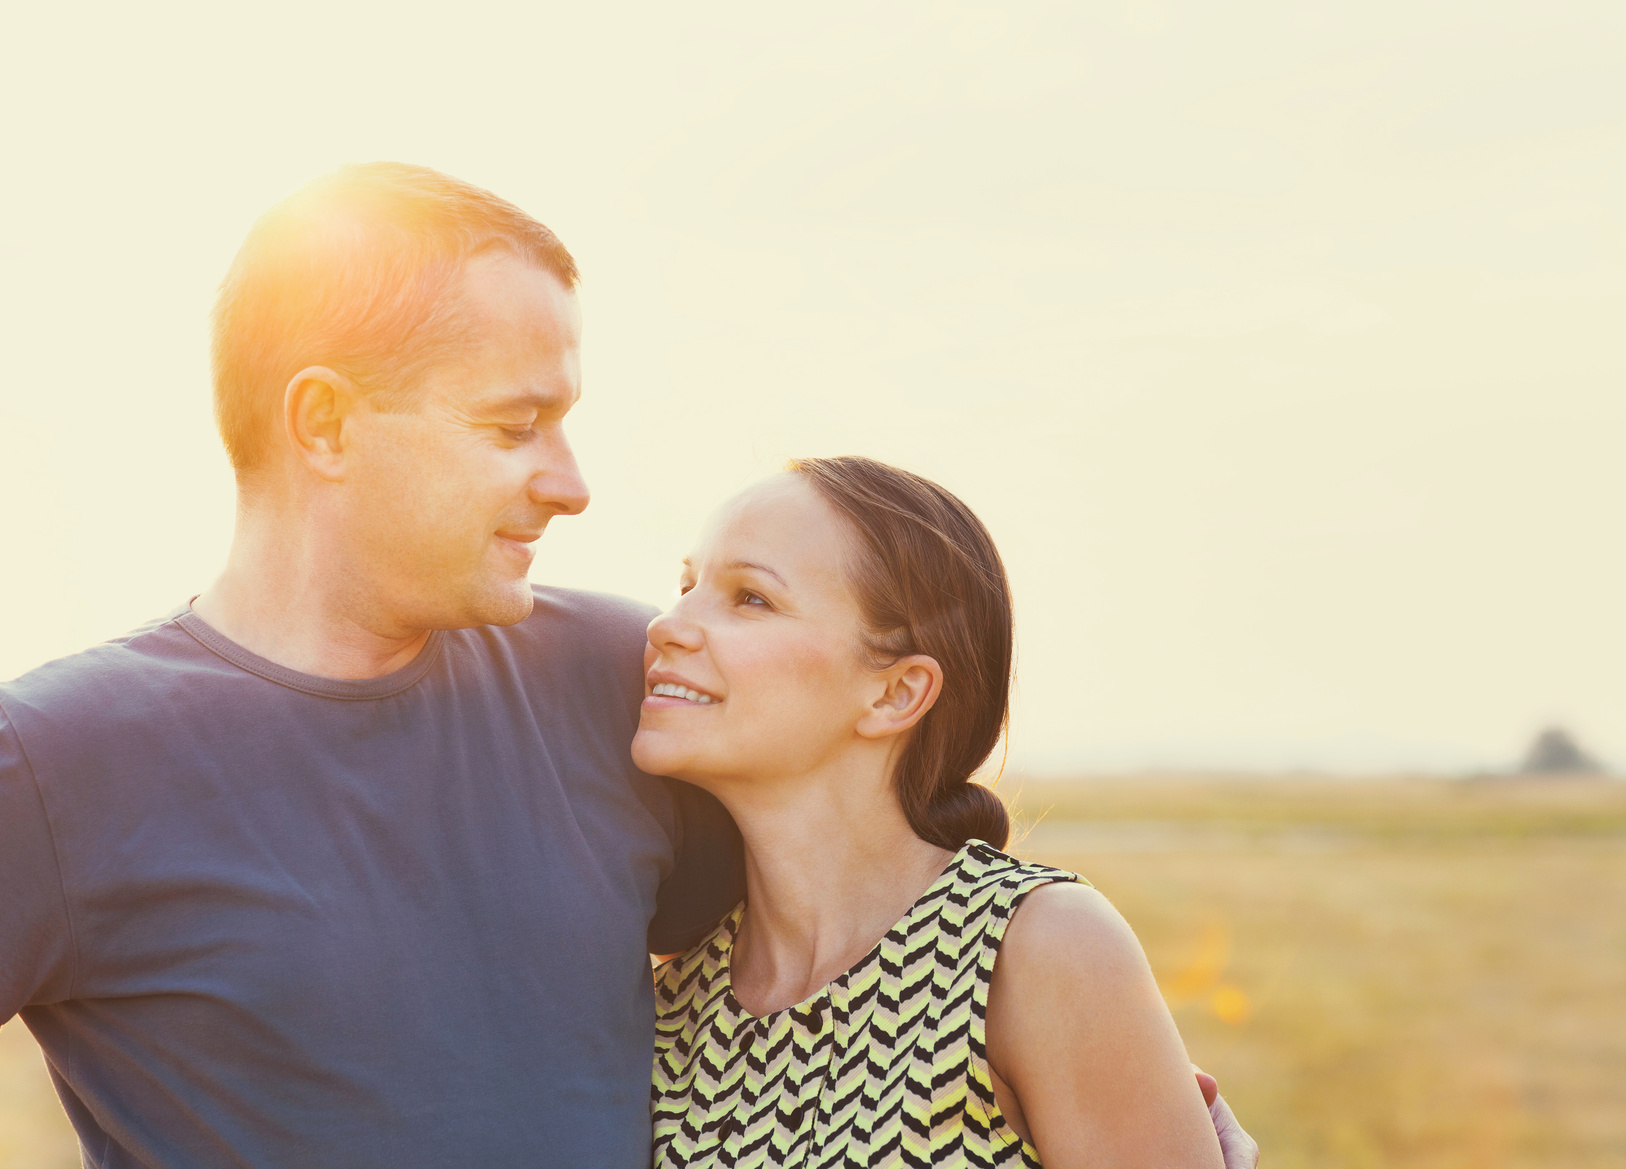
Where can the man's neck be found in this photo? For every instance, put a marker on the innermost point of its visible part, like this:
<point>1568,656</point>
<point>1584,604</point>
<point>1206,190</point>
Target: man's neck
<point>282,599</point>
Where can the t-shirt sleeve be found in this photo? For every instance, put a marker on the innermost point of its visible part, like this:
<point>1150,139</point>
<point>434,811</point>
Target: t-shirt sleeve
<point>36,943</point>
<point>709,877</point>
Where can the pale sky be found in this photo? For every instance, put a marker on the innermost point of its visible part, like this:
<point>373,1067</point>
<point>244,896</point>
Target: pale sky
<point>1278,344</point>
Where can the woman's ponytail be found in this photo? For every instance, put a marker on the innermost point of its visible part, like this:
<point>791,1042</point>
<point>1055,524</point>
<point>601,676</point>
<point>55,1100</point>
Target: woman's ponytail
<point>961,812</point>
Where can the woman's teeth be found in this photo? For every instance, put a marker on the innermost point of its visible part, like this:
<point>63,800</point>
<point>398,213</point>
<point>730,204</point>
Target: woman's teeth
<point>672,690</point>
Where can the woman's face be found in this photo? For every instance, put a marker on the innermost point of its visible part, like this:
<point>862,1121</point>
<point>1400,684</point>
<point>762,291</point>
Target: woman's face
<point>757,671</point>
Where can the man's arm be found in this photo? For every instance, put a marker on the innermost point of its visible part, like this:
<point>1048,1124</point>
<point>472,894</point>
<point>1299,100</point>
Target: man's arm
<point>36,939</point>
<point>709,877</point>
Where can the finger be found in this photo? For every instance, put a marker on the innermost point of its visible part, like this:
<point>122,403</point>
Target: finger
<point>1208,1084</point>
<point>1240,1150</point>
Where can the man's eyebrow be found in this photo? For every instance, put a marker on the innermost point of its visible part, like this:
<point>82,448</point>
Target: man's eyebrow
<point>538,400</point>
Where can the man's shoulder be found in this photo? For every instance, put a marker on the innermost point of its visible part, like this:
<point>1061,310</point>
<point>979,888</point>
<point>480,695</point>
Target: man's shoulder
<point>154,655</point>
<point>587,620</point>
<point>580,645</point>
<point>590,607</point>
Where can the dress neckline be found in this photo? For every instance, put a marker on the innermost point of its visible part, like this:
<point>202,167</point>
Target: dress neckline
<point>900,930</point>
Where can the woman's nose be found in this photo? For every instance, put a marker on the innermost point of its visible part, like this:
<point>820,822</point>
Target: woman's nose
<point>676,628</point>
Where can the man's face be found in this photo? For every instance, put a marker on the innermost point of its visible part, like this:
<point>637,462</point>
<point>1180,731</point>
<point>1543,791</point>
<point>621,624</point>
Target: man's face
<point>447,499</point>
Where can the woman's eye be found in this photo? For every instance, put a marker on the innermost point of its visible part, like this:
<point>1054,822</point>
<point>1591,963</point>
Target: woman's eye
<point>683,588</point>
<point>750,598</point>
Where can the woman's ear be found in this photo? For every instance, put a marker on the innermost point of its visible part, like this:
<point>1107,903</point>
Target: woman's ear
<point>911,686</point>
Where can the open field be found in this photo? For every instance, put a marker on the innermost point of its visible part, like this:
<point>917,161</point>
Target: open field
<point>34,1133</point>
<point>1424,974</point>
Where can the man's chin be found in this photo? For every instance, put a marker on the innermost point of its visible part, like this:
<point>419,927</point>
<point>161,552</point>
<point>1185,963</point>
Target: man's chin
<point>508,605</point>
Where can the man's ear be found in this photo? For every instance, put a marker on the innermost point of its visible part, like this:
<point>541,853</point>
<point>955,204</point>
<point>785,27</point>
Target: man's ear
<point>911,686</point>
<point>316,407</point>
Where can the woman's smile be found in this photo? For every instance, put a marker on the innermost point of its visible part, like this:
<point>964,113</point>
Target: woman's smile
<point>667,692</point>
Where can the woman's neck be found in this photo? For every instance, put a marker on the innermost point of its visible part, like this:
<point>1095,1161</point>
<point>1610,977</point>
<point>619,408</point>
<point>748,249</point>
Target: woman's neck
<point>827,876</point>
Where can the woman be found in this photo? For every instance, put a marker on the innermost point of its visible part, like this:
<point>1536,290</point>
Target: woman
<point>836,668</point>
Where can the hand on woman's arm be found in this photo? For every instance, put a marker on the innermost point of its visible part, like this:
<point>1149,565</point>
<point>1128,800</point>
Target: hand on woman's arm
<point>1241,1150</point>
<point>1079,1035</point>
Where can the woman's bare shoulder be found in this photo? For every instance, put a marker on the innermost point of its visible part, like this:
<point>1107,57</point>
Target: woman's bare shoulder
<point>1079,1033</point>
<point>1069,931</point>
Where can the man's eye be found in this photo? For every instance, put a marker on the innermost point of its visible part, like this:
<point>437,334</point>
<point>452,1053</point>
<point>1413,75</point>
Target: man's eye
<point>518,434</point>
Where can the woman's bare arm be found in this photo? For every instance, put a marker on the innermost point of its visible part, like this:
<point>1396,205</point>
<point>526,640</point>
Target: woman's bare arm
<point>1079,1035</point>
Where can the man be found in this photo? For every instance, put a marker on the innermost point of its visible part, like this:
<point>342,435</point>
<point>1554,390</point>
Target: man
<point>345,863</point>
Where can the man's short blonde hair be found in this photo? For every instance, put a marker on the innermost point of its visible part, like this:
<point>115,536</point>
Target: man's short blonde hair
<point>356,271</point>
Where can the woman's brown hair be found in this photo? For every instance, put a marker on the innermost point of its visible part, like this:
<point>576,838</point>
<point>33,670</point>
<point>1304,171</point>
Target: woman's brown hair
<point>929,581</point>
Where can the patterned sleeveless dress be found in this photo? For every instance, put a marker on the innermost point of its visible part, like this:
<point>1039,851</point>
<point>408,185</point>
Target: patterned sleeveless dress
<point>884,1067</point>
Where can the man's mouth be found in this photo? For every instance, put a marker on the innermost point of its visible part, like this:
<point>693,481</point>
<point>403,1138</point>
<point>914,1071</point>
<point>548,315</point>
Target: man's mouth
<point>521,544</point>
<point>673,690</point>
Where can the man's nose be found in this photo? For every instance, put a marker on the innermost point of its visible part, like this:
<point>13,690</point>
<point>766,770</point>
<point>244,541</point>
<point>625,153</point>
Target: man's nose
<point>558,484</point>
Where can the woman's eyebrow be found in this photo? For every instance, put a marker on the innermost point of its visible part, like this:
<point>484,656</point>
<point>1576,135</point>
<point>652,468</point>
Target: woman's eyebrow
<point>759,568</point>
<point>689,565</point>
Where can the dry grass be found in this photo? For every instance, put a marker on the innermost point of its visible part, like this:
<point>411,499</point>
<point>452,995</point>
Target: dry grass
<point>1391,973</point>
<point>34,1132</point>
<point>1408,973</point>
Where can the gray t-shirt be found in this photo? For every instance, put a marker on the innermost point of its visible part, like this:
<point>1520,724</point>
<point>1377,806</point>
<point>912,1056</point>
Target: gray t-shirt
<point>256,917</point>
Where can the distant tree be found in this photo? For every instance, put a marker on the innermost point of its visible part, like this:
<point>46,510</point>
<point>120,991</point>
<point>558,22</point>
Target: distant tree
<point>1555,752</point>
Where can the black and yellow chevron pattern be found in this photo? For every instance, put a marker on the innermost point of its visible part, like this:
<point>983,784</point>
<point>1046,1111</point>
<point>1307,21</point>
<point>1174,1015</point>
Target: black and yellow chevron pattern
<point>884,1067</point>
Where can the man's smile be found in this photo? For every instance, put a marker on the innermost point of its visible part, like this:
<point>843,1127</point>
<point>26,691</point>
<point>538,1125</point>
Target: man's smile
<point>519,542</point>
